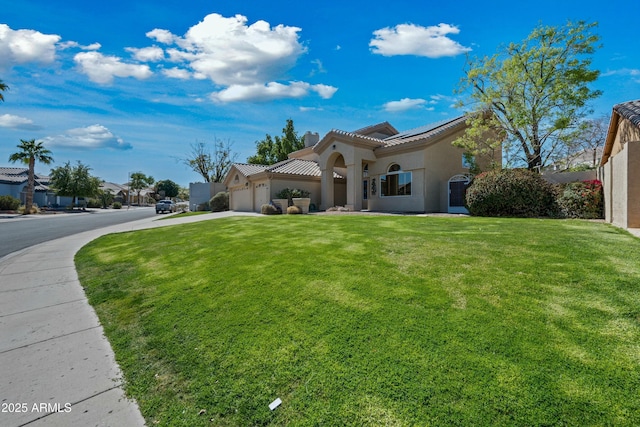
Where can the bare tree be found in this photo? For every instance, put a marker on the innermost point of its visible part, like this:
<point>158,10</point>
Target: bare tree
<point>212,166</point>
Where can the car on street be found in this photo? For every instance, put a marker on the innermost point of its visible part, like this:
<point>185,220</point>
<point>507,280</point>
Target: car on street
<point>166,206</point>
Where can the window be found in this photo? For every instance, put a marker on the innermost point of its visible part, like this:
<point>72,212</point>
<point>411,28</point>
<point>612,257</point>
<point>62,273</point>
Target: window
<point>395,182</point>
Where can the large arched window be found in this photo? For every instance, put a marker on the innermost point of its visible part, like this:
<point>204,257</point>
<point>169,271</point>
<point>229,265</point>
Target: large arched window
<point>395,182</point>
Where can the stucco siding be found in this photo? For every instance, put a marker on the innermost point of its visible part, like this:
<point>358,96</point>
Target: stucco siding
<point>442,162</point>
<point>312,186</point>
<point>633,184</point>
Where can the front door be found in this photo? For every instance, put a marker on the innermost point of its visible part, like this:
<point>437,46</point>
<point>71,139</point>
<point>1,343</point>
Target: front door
<point>457,192</point>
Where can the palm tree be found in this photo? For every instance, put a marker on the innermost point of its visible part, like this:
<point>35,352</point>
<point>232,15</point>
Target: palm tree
<point>30,152</point>
<point>3,87</point>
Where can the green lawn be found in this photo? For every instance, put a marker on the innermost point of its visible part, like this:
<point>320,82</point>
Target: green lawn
<point>373,320</point>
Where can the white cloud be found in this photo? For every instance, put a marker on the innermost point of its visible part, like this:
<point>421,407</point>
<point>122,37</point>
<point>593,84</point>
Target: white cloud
<point>72,44</point>
<point>319,67</point>
<point>177,73</point>
<point>404,104</point>
<point>162,36</point>
<point>17,122</point>
<point>229,52</point>
<point>102,69</point>
<point>90,137</point>
<point>147,54</point>
<point>270,91</point>
<point>410,39</point>
<point>633,72</point>
<point>23,46</point>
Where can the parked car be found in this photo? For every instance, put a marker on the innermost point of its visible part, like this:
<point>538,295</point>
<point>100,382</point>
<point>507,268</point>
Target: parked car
<point>165,206</point>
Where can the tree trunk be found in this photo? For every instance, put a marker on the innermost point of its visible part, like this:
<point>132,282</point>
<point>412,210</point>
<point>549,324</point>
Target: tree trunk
<point>28,202</point>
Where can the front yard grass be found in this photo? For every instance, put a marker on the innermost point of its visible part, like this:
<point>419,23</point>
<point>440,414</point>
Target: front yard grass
<point>373,320</point>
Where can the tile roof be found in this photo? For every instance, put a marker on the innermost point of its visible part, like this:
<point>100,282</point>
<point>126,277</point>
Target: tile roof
<point>13,171</point>
<point>286,167</point>
<point>629,110</point>
<point>249,169</point>
<point>19,175</point>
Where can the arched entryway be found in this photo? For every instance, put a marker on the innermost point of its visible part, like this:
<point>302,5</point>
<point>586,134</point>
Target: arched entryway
<point>339,185</point>
<point>457,190</point>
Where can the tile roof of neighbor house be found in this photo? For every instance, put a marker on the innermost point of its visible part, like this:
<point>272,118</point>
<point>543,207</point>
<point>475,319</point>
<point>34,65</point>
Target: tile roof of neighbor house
<point>19,175</point>
<point>629,110</point>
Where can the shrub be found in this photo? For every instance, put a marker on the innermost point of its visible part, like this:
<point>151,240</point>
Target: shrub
<point>94,203</point>
<point>219,202</point>
<point>511,192</point>
<point>293,210</point>
<point>268,209</point>
<point>34,209</point>
<point>9,203</point>
<point>117,205</point>
<point>581,199</point>
<point>203,207</point>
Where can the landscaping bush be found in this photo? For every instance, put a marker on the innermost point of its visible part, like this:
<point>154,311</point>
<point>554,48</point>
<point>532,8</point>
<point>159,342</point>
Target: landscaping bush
<point>117,205</point>
<point>94,203</point>
<point>219,202</point>
<point>268,209</point>
<point>203,207</point>
<point>293,210</point>
<point>513,193</point>
<point>581,199</point>
<point>9,203</point>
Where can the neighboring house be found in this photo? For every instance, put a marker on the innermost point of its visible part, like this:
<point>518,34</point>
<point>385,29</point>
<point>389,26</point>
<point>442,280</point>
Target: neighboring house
<point>118,191</point>
<point>375,168</point>
<point>14,181</point>
<point>620,166</point>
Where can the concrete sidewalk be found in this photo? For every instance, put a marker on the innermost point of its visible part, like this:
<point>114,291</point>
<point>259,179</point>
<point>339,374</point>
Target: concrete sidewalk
<point>56,366</point>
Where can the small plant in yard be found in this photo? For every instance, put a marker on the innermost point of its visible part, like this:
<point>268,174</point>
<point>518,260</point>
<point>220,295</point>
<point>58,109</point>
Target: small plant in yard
<point>581,199</point>
<point>9,203</point>
<point>269,209</point>
<point>116,205</point>
<point>294,210</point>
<point>219,202</point>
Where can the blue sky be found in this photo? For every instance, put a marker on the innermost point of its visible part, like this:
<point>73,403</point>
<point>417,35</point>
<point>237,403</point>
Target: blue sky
<point>127,86</point>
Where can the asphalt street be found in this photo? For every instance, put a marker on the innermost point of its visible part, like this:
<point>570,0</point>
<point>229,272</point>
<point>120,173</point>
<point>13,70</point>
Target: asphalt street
<point>20,232</point>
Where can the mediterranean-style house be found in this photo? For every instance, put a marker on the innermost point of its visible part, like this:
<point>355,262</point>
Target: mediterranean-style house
<point>620,166</point>
<point>374,168</point>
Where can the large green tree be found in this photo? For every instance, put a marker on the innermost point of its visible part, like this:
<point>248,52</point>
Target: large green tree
<point>74,181</point>
<point>3,87</point>
<point>30,153</point>
<point>138,181</point>
<point>167,188</point>
<point>533,95</point>
<point>273,150</point>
